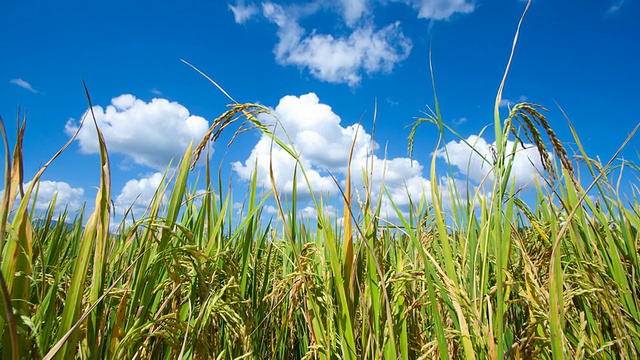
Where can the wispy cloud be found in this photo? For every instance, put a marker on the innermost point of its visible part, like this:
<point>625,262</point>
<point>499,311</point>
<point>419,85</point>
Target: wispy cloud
<point>156,92</point>
<point>23,84</point>
<point>509,102</point>
<point>460,121</point>
<point>243,12</point>
<point>392,102</point>
<point>615,7</point>
<point>440,9</point>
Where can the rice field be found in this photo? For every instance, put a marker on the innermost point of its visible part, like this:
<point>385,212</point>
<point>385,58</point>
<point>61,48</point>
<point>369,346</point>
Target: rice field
<point>485,277</point>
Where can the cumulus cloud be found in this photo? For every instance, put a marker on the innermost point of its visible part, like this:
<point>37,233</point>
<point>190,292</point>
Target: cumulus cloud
<point>68,197</point>
<point>270,210</point>
<point>323,144</point>
<point>243,12</point>
<point>341,59</point>
<point>23,84</point>
<point>317,135</point>
<point>149,134</point>
<point>310,212</point>
<point>138,193</point>
<point>477,165</point>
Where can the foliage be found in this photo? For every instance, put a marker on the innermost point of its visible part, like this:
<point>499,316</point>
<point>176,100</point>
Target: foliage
<point>489,277</point>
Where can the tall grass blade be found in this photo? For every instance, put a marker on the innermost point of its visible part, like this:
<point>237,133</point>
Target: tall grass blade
<point>95,233</point>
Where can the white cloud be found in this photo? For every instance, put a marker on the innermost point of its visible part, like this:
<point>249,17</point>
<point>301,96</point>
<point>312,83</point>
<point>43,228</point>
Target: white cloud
<point>310,212</point>
<point>270,210</point>
<point>156,92</point>
<point>67,197</point>
<point>526,163</point>
<point>317,135</point>
<point>283,165</point>
<point>417,189</point>
<point>337,59</point>
<point>242,12</point>
<point>323,144</point>
<point>353,10</point>
<point>137,194</point>
<point>23,84</point>
<point>440,9</point>
<point>150,134</point>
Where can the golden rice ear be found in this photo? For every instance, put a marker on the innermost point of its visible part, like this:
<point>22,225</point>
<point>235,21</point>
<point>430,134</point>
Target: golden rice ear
<point>529,117</point>
<point>559,149</point>
<point>236,112</point>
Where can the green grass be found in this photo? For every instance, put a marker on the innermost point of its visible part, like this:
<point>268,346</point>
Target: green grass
<point>488,277</point>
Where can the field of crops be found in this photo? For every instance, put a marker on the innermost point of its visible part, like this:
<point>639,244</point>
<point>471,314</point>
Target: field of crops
<point>488,276</point>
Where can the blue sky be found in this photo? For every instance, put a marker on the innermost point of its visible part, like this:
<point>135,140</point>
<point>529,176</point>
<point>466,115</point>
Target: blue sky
<point>320,65</point>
